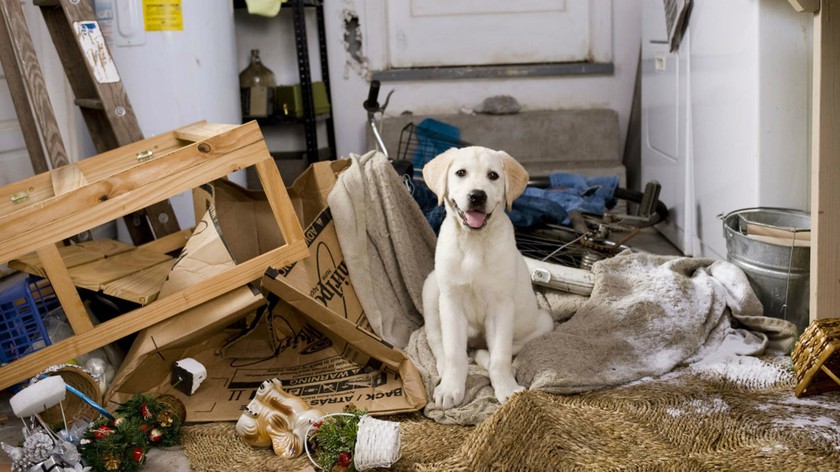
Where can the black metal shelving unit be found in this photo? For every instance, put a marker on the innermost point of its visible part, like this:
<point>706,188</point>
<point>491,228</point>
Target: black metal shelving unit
<point>310,119</point>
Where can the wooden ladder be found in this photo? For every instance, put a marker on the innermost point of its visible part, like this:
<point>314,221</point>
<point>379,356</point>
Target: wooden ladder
<point>99,93</point>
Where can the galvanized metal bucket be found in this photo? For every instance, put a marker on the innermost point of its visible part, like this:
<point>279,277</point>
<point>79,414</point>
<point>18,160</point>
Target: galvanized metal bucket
<point>778,271</point>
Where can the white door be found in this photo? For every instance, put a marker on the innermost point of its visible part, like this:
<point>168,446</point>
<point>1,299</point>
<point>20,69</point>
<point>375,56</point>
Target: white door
<point>427,33</point>
<point>665,150</point>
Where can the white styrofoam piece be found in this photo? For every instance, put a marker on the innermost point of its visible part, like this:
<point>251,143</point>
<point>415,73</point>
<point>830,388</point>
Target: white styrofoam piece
<point>39,396</point>
<point>199,372</point>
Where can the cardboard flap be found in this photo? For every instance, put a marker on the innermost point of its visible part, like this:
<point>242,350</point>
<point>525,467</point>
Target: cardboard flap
<point>322,318</point>
<point>242,217</point>
<point>258,341</point>
<point>310,190</point>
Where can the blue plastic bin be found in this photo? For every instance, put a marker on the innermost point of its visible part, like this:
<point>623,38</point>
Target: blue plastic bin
<point>23,304</point>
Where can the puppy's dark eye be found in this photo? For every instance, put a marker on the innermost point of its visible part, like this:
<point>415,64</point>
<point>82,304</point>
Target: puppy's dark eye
<point>493,176</point>
<point>461,173</point>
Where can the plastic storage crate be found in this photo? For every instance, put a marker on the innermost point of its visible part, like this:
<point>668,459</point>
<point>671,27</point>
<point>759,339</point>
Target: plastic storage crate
<point>23,304</point>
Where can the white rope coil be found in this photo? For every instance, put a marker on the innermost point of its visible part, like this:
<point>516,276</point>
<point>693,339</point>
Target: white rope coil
<point>377,443</point>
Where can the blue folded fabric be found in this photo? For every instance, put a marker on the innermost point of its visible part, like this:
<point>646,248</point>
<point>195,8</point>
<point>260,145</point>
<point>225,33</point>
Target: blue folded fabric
<point>575,192</point>
<point>529,212</point>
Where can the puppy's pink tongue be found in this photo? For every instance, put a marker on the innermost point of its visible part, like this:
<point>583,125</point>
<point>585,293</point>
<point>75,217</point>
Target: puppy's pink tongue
<point>475,219</point>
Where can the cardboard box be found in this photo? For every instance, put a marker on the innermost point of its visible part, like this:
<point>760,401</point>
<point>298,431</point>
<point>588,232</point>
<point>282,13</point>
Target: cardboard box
<point>313,334</point>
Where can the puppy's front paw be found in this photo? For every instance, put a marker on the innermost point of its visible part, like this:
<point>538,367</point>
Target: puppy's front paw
<point>503,392</point>
<point>448,395</point>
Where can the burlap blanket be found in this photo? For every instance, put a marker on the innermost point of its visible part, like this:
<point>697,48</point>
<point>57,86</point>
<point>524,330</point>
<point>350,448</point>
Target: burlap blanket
<point>646,315</point>
<point>685,420</point>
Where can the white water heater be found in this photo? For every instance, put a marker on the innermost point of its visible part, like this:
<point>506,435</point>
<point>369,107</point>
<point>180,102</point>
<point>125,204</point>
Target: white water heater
<point>177,61</point>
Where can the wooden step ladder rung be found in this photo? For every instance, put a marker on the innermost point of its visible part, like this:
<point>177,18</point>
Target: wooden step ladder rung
<point>90,103</point>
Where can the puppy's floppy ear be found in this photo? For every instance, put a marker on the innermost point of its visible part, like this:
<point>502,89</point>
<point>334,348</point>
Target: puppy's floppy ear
<point>516,178</point>
<point>434,172</point>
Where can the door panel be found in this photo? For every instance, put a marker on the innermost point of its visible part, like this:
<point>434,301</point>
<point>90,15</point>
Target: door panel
<point>425,33</point>
<point>665,155</point>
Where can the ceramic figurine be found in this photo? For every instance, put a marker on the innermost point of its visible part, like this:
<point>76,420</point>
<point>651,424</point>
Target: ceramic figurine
<point>277,419</point>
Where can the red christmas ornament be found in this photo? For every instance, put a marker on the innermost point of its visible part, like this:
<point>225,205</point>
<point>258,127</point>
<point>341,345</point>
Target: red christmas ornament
<point>143,427</point>
<point>144,410</point>
<point>137,454</point>
<point>344,459</point>
<point>155,435</point>
<point>101,432</point>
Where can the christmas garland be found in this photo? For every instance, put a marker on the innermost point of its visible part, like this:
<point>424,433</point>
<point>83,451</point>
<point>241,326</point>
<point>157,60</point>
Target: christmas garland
<point>141,423</point>
<point>334,440</point>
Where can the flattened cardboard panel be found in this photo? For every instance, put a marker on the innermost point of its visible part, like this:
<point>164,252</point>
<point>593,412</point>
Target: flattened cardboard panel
<point>325,373</point>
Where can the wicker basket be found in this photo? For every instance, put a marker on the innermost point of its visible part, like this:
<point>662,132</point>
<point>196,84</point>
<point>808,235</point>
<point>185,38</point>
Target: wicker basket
<point>816,360</point>
<point>75,409</point>
<point>174,404</point>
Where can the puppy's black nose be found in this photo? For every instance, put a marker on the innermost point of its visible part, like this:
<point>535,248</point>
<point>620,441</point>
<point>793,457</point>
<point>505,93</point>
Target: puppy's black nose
<point>477,197</point>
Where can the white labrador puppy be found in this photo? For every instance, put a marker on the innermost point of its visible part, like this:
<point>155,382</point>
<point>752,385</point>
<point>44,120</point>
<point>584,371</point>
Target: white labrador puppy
<point>480,294</point>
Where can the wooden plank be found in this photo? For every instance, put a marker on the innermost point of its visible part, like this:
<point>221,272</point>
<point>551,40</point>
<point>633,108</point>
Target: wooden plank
<point>96,168</point>
<point>72,305</point>
<point>17,90</point>
<point>100,202</point>
<point>93,103</point>
<point>148,315</point>
<point>169,243</point>
<point>40,186</point>
<point>28,89</point>
<point>67,178</point>
<point>281,204</point>
<point>202,131</point>
<point>141,287</point>
<point>783,233</point>
<point>800,6</point>
<point>94,275</point>
<point>136,188</point>
<point>825,165</point>
<point>74,255</point>
<point>784,242</point>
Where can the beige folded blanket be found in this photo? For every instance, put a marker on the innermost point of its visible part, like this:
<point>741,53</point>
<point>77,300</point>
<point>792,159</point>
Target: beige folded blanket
<point>387,243</point>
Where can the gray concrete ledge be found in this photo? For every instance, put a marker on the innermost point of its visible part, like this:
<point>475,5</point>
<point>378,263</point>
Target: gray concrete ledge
<point>494,72</point>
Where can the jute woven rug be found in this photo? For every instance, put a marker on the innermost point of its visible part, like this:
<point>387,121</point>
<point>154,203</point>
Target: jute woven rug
<point>682,421</point>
